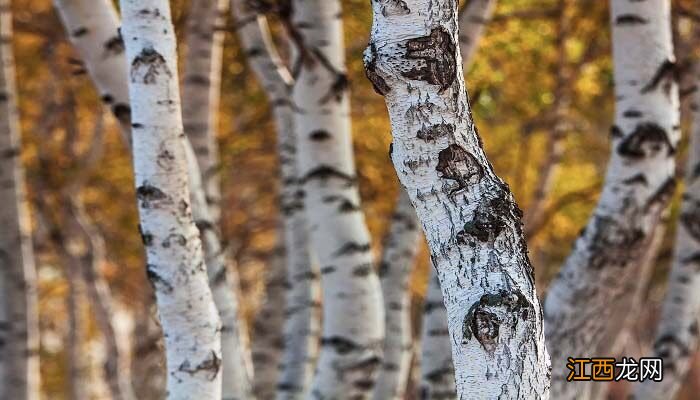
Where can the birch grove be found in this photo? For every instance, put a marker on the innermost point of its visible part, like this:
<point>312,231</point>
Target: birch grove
<point>176,265</point>
<point>19,329</point>
<point>639,183</point>
<point>468,213</point>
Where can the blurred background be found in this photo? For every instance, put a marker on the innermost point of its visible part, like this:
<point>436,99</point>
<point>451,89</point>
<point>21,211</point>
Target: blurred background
<point>513,89</point>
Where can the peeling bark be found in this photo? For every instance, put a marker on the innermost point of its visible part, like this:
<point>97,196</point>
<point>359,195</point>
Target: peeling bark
<point>19,330</point>
<point>639,183</point>
<point>469,216</point>
<point>677,333</point>
<point>353,319</point>
<point>437,370</point>
<point>398,257</point>
<point>176,265</point>
<point>302,317</point>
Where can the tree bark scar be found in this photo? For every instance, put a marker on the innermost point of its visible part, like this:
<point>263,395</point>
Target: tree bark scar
<point>122,112</point>
<point>210,366</point>
<point>148,65</point>
<point>434,132</point>
<point>630,19</point>
<point>486,316</point>
<point>378,83</point>
<point>114,45</point>
<point>158,282</point>
<point>394,8</point>
<point>146,237</point>
<point>667,72</point>
<point>490,219</point>
<point>613,244</point>
<point>616,132</point>
<point>663,194</point>
<point>457,164</point>
<point>647,139</point>
<point>319,135</point>
<point>341,345</point>
<point>325,172</point>
<point>82,31</point>
<point>353,248</point>
<point>438,54</point>
<point>149,195</point>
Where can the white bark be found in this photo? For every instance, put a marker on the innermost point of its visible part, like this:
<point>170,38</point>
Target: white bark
<point>176,265</point>
<point>470,219</point>
<point>398,257</point>
<point>353,319</point>
<point>472,23</point>
<point>19,330</point>
<point>93,29</point>
<point>301,327</point>
<point>677,333</point>
<point>437,370</point>
<point>201,91</point>
<point>639,182</point>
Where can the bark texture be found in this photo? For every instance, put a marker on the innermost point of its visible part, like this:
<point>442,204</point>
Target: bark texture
<point>639,183</point>
<point>19,330</point>
<point>677,333</point>
<point>93,29</point>
<point>176,265</point>
<point>469,216</point>
<point>353,319</point>
<point>302,319</point>
<point>437,381</point>
<point>398,257</point>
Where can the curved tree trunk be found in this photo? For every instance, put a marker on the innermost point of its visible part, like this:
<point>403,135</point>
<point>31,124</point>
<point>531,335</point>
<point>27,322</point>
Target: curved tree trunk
<point>399,253</point>
<point>301,327</point>
<point>677,333</point>
<point>353,319</point>
<point>19,330</point>
<point>639,183</point>
<point>176,265</point>
<point>471,221</point>
<point>437,370</point>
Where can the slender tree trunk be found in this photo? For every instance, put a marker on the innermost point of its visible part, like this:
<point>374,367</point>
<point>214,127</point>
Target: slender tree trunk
<point>301,327</point>
<point>470,218</point>
<point>399,253</point>
<point>76,364</point>
<point>20,331</point>
<point>176,265</point>
<point>639,183</point>
<point>437,370</point>
<point>677,333</point>
<point>93,29</point>
<point>201,91</point>
<point>472,23</point>
<point>353,319</point>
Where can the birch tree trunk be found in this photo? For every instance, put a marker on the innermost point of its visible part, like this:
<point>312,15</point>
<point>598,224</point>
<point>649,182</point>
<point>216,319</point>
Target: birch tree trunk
<point>176,266</point>
<point>20,330</point>
<point>93,29</point>
<point>201,91</point>
<point>353,319</point>
<point>639,183</point>
<point>470,219</point>
<point>472,23</point>
<point>398,258</point>
<point>437,370</point>
<point>677,333</point>
<point>302,324</point>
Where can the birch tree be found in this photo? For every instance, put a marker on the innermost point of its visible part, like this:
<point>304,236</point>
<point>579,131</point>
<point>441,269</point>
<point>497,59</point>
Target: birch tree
<point>472,22</point>
<point>398,258</point>
<point>19,330</point>
<point>469,216</point>
<point>677,333</point>
<point>176,264</point>
<point>353,319</point>
<point>301,327</point>
<point>639,183</point>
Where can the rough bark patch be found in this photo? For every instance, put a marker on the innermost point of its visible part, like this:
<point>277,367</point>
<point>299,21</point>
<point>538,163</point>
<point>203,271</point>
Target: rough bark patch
<point>437,53</point>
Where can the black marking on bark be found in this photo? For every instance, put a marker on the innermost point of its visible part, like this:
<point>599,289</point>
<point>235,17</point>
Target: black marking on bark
<point>395,8</point>
<point>613,244</point>
<point>483,321</point>
<point>122,112</point>
<point>437,52</point>
<point>456,163</point>
<point>630,19</point>
<point>107,98</point>
<point>667,71</point>
<point>347,206</point>
<point>691,221</point>
<point>340,344</point>
<point>319,135</point>
<point>198,80</point>
<point>353,248</point>
<point>616,132</point>
<point>340,85</point>
<point>81,31</point>
<point>156,280</point>
<point>665,343</point>
<point>490,218</point>
<point>211,366</point>
<point>378,83</point>
<point>148,195</point>
<point>434,132</point>
<point>632,114</point>
<point>327,270</point>
<point>663,194</point>
<point>115,45</point>
<point>12,152</point>
<point>647,138</point>
<point>146,237</point>
<point>362,270</point>
<point>326,172</point>
<point>174,238</point>
<point>148,65</point>
<point>639,179</point>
